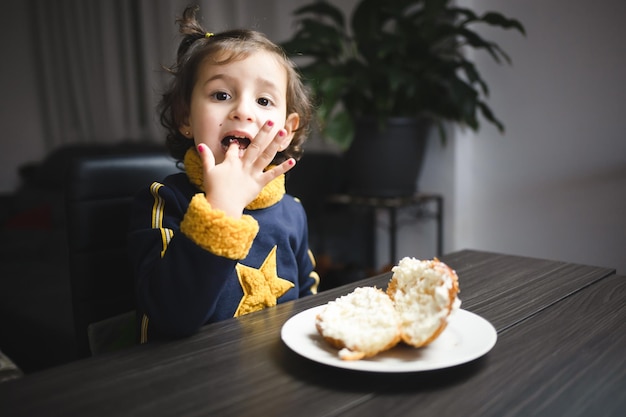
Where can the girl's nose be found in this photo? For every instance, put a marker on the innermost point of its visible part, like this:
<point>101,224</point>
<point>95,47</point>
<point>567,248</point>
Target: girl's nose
<point>242,111</point>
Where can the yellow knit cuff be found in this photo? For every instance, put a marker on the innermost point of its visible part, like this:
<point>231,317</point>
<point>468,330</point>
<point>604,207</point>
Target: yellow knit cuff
<point>212,230</point>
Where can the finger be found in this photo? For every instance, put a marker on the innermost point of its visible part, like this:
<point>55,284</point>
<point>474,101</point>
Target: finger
<point>278,170</point>
<point>259,146</point>
<point>207,157</point>
<point>233,151</point>
<point>267,155</point>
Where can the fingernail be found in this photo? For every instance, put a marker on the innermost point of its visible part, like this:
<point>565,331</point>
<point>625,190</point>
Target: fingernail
<point>281,133</point>
<point>270,123</point>
<point>200,148</point>
<point>292,162</point>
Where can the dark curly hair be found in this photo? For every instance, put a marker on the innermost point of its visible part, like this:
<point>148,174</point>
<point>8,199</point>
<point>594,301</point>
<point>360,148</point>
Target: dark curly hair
<point>229,46</point>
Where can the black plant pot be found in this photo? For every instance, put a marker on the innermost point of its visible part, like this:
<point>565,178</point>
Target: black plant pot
<point>386,163</point>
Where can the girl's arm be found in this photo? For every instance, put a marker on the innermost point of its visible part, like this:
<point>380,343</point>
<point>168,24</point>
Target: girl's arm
<point>183,256</point>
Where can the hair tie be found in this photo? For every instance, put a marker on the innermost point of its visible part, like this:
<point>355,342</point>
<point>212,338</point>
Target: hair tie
<point>208,34</point>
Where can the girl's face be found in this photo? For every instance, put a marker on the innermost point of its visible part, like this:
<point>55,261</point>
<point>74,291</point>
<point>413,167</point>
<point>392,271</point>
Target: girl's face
<point>231,102</point>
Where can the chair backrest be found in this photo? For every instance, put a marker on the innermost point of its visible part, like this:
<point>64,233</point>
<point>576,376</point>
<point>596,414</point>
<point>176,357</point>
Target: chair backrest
<point>100,191</point>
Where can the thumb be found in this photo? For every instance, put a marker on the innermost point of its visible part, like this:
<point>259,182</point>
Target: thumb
<point>206,156</point>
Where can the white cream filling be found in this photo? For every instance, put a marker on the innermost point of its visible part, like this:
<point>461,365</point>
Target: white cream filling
<point>422,296</point>
<point>365,319</point>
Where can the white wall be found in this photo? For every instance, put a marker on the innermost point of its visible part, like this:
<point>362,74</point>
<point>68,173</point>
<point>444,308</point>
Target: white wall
<point>554,186</point>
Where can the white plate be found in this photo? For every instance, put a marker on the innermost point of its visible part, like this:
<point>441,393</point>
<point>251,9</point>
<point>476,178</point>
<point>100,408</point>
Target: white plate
<point>467,337</point>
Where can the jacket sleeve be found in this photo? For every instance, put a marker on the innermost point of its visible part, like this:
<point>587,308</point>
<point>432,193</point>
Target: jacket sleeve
<point>182,253</point>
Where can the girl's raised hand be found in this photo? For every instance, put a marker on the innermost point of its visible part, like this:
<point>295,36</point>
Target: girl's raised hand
<point>233,184</point>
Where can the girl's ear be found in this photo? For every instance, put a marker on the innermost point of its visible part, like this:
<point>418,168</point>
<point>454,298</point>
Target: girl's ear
<point>291,124</point>
<point>185,129</point>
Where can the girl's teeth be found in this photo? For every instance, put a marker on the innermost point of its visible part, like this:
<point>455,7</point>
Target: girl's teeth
<point>241,141</point>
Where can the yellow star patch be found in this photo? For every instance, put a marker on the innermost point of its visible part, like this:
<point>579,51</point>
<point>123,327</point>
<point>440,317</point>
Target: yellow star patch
<point>261,287</point>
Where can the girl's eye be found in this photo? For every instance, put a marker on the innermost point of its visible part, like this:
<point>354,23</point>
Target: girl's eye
<point>221,96</point>
<point>264,101</point>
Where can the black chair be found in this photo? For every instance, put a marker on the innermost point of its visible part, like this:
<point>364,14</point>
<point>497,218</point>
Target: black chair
<point>99,194</point>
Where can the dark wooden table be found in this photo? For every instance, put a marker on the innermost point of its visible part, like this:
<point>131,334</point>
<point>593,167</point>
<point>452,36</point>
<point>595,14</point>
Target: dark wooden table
<point>561,351</point>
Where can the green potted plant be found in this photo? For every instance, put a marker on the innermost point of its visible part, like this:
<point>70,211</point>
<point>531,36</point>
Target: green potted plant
<point>397,63</point>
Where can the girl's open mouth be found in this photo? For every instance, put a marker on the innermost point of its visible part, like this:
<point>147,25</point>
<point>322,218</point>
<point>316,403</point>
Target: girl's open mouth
<point>242,141</point>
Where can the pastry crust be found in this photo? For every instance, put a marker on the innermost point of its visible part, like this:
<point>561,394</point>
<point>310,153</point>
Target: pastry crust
<point>424,294</point>
<point>360,324</point>
<point>415,308</point>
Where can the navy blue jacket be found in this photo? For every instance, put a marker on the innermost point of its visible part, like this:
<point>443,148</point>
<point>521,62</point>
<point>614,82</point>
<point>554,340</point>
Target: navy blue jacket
<point>182,284</point>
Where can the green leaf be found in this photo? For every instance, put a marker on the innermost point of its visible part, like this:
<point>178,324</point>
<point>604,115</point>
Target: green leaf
<point>470,71</point>
<point>315,39</point>
<point>442,132</point>
<point>340,129</point>
<point>497,19</point>
<point>328,94</point>
<point>367,20</point>
<point>400,58</point>
<point>322,9</point>
<point>477,42</point>
<point>467,13</point>
<point>488,114</point>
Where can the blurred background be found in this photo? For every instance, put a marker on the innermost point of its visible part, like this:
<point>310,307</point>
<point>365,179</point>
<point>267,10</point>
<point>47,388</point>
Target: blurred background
<point>552,186</point>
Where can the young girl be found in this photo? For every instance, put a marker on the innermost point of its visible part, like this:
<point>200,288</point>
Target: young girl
<point>223,239</point>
